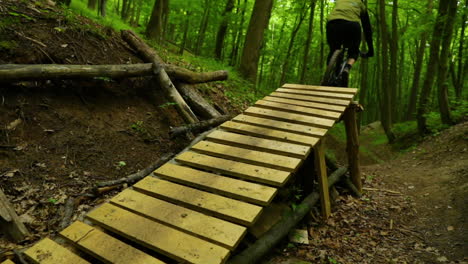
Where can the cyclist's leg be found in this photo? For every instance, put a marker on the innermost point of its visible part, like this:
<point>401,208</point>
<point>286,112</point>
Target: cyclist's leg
<point>334,38</point>
<point>353,41</point>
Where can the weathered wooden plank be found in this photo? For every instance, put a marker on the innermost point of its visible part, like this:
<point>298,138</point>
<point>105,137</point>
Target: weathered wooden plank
<point>307,98</point>
<point>47,251</point>
<point>279,125</point>
<point>233,188</point>
<point>316,93</point>
<point>234,168</point>
<point>321,171</point>
<point>223,207</point>
<point>8,262</point>
<point>215,230</point>
<point>260,144</point>
<point>328,107</point>
<point>158,237</point>
<point>249,156</point>
<point>105,247</point>
<point>320,88</point>
<point>298,109</point>
<point>290,117</point>
<point>270,133</point>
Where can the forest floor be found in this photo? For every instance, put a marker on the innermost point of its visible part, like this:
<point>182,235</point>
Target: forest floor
<point>414,210</point>
<point>65,136</point>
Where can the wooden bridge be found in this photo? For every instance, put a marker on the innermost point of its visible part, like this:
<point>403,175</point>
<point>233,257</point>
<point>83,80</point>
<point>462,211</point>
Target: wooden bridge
<point>198,207</point>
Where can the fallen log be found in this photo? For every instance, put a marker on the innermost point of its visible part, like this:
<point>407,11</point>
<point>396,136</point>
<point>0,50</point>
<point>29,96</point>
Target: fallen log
<point>149,55</point>
<point>199,127</point>
<point>281,229</point>
<point>10,224</point>
<point>196,101</point>
<point>24,72</point>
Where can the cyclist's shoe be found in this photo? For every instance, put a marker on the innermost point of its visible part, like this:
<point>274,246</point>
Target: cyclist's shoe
<point>344,78</point>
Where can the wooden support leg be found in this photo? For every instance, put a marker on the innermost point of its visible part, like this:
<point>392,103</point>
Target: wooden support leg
<point>321,170</point>
<point>10,223</point>
<point>352,145</point>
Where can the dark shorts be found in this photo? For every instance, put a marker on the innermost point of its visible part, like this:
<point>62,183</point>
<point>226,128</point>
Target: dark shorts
<point>343,33</point>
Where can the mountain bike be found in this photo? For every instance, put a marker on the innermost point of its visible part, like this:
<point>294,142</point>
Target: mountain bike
<point>334,72</point>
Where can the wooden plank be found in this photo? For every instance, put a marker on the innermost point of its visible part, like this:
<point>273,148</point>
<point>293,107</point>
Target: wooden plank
<point>47,251</point>
<point>158,237</point>
<point>264,159</point>
<point>328,107</point>
<point>105,247</point>
<point>269,133</point>
<point>298,109</point>
<point>233,188</point>
<point>321,170</point>
<point>207,227</point>
<point>352,145</point>
<point>290,117</point>
<point>284,126</point>
<point>219,206</point>
<point>307,98</point>
<point>234,168</point>
<point>316,93</point>
<point>320,88</point>
<point>8,262</point>
<point>260,144</point>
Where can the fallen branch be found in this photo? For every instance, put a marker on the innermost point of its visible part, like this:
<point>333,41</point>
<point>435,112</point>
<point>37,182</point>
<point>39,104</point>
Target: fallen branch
<point>381,190</point>
<point>196,101</point>
<point>22,72</point>
<point>255,252</point>
<point>10,224</point>
<point>199,127</point>
<point>149,55</point>
<point>138,175</point>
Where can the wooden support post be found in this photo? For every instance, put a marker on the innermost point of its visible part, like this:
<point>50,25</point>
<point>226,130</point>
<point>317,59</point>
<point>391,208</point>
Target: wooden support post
<point>352,145</point>
<point>321,170</point>
<point>10,223</point>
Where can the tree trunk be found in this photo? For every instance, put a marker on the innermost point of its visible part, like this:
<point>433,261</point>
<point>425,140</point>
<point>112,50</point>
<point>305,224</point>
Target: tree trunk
<point>102,7</point>
<point>10,223</point>
<point>305,62</point>
<point>460,76</point>
<point>199,105</point>
<point>237,40</point>
<point>442,82</point>
<point>418,66</point>
<point>393,85</point>
<point>423,106</point>
<point>203,26</point>
<point>92,4</point>
<point>300,17</point>
<point>254,39</point>
<point>386,94</point>
<point>223,29</point>
<point>186,28</point>
<point>154,29</point>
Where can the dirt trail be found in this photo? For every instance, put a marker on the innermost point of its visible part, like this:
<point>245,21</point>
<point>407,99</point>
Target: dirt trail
<point>414,210</point>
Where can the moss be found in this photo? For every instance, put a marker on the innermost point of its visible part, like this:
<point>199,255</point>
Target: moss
<point>8,45</point>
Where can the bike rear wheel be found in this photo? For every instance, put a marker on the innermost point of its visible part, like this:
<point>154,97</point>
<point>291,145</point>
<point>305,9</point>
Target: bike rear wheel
<point>331,71</point>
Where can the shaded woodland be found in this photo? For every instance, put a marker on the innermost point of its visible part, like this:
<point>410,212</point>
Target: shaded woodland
<point>420,68</point>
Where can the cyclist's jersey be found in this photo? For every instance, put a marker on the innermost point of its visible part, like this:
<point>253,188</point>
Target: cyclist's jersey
<point>349,10</point>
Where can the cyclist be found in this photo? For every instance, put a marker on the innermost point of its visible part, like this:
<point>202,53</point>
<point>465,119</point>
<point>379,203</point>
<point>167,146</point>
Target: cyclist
<point>344,29</point>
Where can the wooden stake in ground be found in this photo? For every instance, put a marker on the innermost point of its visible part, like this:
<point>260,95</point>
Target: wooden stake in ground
<point>321,170</point>
<point>10,223</point>
<point>352,145</point>
<point>149,55</point>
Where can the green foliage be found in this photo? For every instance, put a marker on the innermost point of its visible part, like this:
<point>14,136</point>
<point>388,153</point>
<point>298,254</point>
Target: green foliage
<point>8,45</point>
<point>111,20</point>
<point>138,126</point>
<point>21,15</point>
<point>338,132</point>
<point>168,104</point>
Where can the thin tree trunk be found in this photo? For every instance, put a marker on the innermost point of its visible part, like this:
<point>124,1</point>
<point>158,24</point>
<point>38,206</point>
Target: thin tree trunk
<point>300,17</point>
<point>386,99</point>
<point>186,28</point>
<point>305,61</point>
<point>203,26</point>
<point>443,63</point>
<point>393,85</point>
<point>223,29</point>
<point>423,106</point>
<point>237,42</point>
<point>254,39</point>
<point>461,73</point>
<point>92,4</point>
